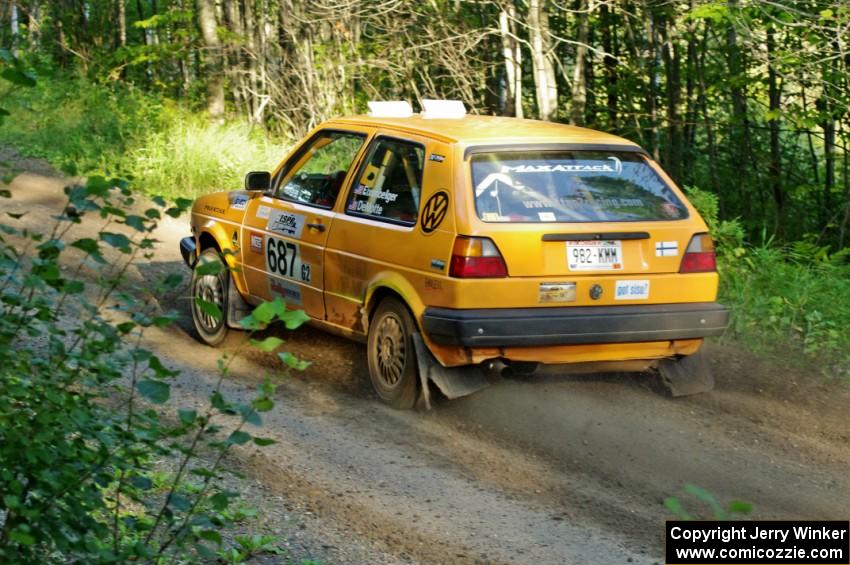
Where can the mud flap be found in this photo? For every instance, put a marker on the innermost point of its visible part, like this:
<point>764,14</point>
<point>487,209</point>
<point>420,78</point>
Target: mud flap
<point>454,382</point>
<point>237,308</point>
<point>686,375</point>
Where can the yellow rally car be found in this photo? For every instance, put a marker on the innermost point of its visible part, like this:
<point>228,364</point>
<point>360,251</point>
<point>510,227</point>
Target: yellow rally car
<point>449,243</point>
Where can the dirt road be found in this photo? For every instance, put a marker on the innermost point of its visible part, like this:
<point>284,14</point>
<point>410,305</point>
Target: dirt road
<point>554,469</point>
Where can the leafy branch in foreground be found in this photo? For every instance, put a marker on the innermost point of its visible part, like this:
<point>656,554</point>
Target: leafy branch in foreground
<point>80,432</point>
<point>706,500</point>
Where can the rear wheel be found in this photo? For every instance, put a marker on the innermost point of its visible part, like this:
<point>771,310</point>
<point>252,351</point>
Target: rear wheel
<point>391,354</point>
<point>210,288</point>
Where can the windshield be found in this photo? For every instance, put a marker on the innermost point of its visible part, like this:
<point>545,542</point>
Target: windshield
<point>571,186</point>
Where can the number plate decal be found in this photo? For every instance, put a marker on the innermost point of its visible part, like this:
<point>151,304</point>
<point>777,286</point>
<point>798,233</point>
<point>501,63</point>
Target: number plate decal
<point>632,290</point>
<point>283,258</point>
<point>595,255</point>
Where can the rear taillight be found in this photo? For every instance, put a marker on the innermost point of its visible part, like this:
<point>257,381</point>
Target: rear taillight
<point>476,258</point>
<point>699,257</point>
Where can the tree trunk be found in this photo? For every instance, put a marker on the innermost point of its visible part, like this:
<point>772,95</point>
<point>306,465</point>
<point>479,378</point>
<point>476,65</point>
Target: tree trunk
<point>541,60</point>
<point>509,47</point>
<point>775,166</point>
<point>740,123</point>
<point>122,23</point>
<point>212,59</point>
<point>709,128</point>
<point>672,71</point>
<point>14,20</point>
<point>578,105</point>
<point>610,65</point>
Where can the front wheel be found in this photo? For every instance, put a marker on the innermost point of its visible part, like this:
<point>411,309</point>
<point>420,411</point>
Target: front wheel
<point>211,288</point>
<point>391,354</point>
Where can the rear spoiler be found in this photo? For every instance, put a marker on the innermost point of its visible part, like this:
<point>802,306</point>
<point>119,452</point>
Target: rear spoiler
<point>515,147</point>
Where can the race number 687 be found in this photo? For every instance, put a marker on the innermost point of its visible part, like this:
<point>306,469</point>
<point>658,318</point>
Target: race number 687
<point>281,256</point>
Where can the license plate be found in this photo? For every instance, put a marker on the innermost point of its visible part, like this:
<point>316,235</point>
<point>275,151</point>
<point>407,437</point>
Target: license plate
<point>595,255</point>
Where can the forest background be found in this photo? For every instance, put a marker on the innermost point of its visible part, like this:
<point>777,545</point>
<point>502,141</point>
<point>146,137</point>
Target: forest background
<point>744,103</point>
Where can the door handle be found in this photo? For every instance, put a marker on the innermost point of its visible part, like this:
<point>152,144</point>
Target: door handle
<point>316,226</point>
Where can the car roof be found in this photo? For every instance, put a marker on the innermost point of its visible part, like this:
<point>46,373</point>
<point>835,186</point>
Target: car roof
<point>472,129</point>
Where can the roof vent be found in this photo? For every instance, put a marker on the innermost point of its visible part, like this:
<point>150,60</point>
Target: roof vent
<point>390,109</point>
<point>451,109</point>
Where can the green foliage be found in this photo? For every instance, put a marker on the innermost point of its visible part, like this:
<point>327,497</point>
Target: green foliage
<point>794,297</point>
<point>727,234</point>
<point>87,128</point>
<point>84,405</point>
<point>706,500</point>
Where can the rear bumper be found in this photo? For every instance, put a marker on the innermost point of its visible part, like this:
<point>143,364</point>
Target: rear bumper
<point>528,327</point>
<point>187,250</point>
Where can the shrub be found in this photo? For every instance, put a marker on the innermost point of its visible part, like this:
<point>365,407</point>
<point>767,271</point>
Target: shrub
<point>77,442</point>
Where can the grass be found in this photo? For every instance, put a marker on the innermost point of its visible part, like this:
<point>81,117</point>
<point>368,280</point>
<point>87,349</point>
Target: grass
<point>84,128</point>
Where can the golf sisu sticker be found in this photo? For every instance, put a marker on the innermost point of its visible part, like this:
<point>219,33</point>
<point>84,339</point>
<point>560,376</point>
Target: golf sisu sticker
<point>434,211</point>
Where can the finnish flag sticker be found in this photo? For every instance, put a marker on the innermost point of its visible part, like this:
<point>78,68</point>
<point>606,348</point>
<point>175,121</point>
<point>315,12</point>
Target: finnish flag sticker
<point>666,248</point>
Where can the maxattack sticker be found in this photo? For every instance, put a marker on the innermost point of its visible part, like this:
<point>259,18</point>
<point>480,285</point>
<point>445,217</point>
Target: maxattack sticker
<point>286,223</point>
<point>434,211</point>
<point>290,292</point>
<point>666,248</point>
<point>256,242</point>
<point>238,201</point>
<point>263,212</point>
<point>632,290</point>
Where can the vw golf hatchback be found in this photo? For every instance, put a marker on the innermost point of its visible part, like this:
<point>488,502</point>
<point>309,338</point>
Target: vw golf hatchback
<point>448,243</point>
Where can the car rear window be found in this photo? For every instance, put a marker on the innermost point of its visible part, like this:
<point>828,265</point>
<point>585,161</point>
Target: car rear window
<point>571,186</point>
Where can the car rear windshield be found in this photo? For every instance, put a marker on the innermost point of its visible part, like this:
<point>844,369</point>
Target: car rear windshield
<point>571,186</point>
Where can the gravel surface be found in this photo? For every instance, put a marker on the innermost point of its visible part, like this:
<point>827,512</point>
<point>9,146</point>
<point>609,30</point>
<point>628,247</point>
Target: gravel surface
<point>553,469</point>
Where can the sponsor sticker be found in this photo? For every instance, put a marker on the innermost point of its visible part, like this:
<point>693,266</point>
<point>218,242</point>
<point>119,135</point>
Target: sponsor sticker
<point>666,248</point>
<point>263,212</point>
<point>632,290</point>
<point>238,201</point>
<point>613,166</point>
<point>285,223</point>
<point>256,242</point>
<point>214,209</point>
<point>546,216</point>
<point>290,292</point>
<point>437,158</point>
<point>434,211</point>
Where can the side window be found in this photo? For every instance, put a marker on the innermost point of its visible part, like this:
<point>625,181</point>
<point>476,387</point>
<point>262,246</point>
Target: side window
<point>315,175</point>
<point>388,185</point>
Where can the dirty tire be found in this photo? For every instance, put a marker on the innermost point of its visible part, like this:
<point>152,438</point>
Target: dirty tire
<point>391,354</point>
<point>686,375</point>
<point>211,288</point>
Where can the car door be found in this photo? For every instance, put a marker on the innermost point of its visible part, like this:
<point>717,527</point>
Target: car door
<point>285,231</point>
<point>374,237</point>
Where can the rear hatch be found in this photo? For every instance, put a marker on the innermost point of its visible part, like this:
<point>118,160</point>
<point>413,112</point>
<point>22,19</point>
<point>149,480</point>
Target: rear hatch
<point>580,213</point>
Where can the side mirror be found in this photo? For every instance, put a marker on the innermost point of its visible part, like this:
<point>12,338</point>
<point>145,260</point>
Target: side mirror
<point>258,180</point>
